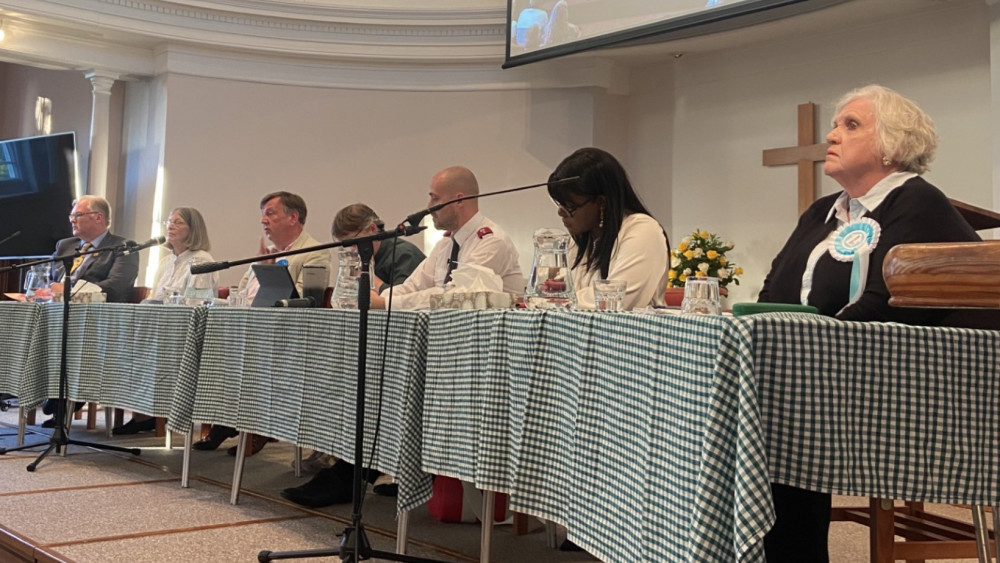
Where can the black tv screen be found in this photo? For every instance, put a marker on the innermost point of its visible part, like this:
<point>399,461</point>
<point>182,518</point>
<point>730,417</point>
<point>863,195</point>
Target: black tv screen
<point>543,29</point>
<point>37,188</point>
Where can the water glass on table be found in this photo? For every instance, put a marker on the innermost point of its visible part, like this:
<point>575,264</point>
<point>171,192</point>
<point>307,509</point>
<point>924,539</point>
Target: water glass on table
<point>609,295</point>
<point>236,297</point>
<point>701,296</point>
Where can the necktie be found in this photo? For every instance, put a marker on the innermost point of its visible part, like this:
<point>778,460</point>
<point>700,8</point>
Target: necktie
<point>79,259</point>
<point>452,261</point>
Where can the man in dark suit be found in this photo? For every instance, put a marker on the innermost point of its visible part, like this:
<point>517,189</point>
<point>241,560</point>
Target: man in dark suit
<point>90,219</point>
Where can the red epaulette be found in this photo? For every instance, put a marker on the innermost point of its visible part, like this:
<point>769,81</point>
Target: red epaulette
<point>484,231</point>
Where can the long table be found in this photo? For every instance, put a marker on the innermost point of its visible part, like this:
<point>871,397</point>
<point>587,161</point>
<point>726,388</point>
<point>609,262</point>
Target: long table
<point>650,437</point>
<point>120,355</point>
<point>292,375</point>
<point>654,438</point>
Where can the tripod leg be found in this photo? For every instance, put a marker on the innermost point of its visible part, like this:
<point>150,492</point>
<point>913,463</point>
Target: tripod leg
<point>34,464</point>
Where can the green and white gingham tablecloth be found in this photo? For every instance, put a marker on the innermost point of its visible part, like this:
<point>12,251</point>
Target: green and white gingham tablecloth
<point>19,320</point>
<point>119,355</point>
<point>291,374</point>
<point>640,433</point>
<point>653,438</point>
<point>881,410</point>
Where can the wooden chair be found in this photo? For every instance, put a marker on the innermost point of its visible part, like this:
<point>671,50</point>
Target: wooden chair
<point>923,275</point>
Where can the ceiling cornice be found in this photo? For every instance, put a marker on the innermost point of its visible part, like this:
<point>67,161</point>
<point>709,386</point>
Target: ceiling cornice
<point>375,33</point>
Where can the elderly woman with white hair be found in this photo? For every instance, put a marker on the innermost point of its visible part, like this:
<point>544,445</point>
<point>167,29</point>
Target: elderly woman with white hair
<point>879,146</point>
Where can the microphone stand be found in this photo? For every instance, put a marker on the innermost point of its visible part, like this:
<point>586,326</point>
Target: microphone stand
<point>60,432</point>
<point>354,545</point>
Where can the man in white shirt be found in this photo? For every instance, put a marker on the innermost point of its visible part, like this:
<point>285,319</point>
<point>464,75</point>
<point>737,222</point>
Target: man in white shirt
<point>471,239</point>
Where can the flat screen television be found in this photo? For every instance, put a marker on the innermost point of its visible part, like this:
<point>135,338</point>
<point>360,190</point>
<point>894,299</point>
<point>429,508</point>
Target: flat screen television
<point>37,188</point>
<point>543,29</point>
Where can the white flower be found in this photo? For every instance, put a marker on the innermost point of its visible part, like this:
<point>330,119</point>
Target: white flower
<point>698,253</point>
<point>729,244</point>
<point>686,240</point>
<point>687,271</point>
<point>723,274</point>
<point>675,261</point>
<point>703,267</point>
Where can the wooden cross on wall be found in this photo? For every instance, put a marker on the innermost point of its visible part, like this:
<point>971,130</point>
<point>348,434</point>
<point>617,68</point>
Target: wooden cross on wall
<point>806,154</point>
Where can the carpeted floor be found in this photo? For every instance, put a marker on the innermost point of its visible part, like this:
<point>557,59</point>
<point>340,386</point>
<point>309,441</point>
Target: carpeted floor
<point>98,506</point>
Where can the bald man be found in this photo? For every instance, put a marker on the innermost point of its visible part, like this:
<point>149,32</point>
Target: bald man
<point>479,241</point>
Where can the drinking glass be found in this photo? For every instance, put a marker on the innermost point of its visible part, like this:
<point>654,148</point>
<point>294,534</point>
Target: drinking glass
<point>609,295</point>
<point>701,296</point>
<point>236,297</point>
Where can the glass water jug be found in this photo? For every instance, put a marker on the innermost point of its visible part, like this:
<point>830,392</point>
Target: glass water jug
<point>37,285</point>
<point>550,284</point>
<point>345,290</point>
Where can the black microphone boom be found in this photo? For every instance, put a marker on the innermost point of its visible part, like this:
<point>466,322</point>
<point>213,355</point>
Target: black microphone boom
<point>415,218</point>
<point>10,236</point>
<point>131,247</point>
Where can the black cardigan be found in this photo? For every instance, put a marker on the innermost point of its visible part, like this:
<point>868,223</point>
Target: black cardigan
<point>912,213</point>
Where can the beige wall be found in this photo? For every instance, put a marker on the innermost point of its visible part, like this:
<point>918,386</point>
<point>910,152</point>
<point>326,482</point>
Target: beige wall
<point>726,108</point>
<point>228,143</point>
<point>691,131</point>
<point>71,102</point>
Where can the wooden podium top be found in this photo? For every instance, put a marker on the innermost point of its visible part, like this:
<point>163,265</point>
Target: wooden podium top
<point>944,274</point>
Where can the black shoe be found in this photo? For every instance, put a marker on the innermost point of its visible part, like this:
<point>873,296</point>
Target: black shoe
<point>569,546</point>
<point>50,406</point>
<point>330,486</point>
<point>255,444</point>
<point>50,423</point>
<point>134,427</point>
<point>216,436</point>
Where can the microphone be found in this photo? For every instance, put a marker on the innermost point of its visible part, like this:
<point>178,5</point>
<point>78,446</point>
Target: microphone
<point>415,218</point>
<point>298,302</point>
<point>131,247</point>
<point>10,236</point>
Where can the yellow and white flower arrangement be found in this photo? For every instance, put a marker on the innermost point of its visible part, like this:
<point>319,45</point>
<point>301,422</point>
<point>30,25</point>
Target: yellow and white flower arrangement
<point>702,254</point>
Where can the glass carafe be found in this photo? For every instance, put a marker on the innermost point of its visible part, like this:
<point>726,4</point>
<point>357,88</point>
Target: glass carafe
<point>550,284</point>
<point>37,285</point>
<point>345,290</point>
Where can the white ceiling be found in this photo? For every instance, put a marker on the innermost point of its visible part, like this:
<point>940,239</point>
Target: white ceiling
<point>67,33</point>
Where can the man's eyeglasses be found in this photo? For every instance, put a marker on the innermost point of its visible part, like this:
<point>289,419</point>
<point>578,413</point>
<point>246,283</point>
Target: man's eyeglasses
<point>569,208</point>
<point>78,215</point>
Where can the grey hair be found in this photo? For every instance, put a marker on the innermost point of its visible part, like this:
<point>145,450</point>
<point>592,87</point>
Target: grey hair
<point>904,133</point>
<point>98,204</point>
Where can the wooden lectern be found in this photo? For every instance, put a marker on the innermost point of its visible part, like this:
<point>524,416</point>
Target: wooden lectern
<point>940,275</point>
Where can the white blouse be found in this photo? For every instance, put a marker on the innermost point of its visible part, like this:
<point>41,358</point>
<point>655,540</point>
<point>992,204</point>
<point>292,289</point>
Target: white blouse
<point>174,274</point>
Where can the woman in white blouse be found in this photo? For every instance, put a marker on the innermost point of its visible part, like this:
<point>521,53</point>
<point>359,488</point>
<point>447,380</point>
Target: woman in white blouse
<point>187,238</point>
<point>614,235</point>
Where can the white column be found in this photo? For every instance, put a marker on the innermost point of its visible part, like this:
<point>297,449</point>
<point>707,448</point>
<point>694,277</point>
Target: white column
<point>100,118</point>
